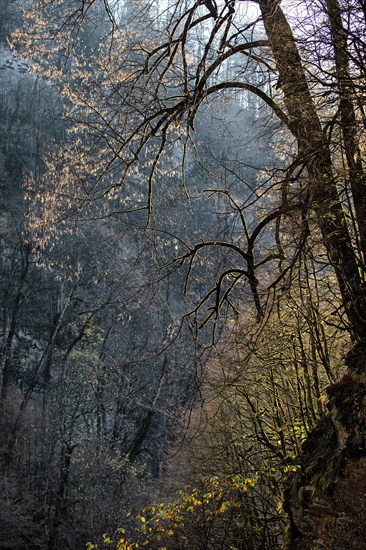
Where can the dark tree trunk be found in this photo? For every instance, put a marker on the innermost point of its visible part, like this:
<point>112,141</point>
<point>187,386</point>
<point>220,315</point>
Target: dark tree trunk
<point>6,366</point>
<point>60,511</point>
<point>326,501</point>
<point>314,150</point>
<point>348,120</point>
<point>41,366</point>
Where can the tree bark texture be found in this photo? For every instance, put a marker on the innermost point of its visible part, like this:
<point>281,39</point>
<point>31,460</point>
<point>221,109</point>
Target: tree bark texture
<point>348,121</point>
<point>326,501</point>
<point>314,149</point>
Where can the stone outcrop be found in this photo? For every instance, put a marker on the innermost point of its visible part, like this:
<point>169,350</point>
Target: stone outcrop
<point>326,501</point>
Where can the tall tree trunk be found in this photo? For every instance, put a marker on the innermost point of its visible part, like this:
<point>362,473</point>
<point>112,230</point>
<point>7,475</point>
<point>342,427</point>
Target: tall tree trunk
<point>41,366</point>
<point>348,119</point>
<point>60,510</point>
<point>314,150</point>
<point>6,374</point>
<point>326,499</point>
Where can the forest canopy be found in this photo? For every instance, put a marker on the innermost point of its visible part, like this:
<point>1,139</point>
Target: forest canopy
<point>157,70</point>
<point>192,197</point>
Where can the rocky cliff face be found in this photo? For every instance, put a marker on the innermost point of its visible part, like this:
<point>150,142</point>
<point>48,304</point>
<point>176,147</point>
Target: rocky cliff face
<point>327,499</point>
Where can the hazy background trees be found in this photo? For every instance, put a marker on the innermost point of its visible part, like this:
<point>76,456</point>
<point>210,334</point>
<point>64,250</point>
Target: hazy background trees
<point>92,379</point>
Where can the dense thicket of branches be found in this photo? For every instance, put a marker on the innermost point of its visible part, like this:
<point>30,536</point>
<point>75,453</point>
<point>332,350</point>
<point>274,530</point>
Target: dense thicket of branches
<point>189,56</point>
<point>213,147</point>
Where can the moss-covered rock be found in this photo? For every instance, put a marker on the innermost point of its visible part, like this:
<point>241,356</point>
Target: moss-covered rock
<point>326,500</point>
